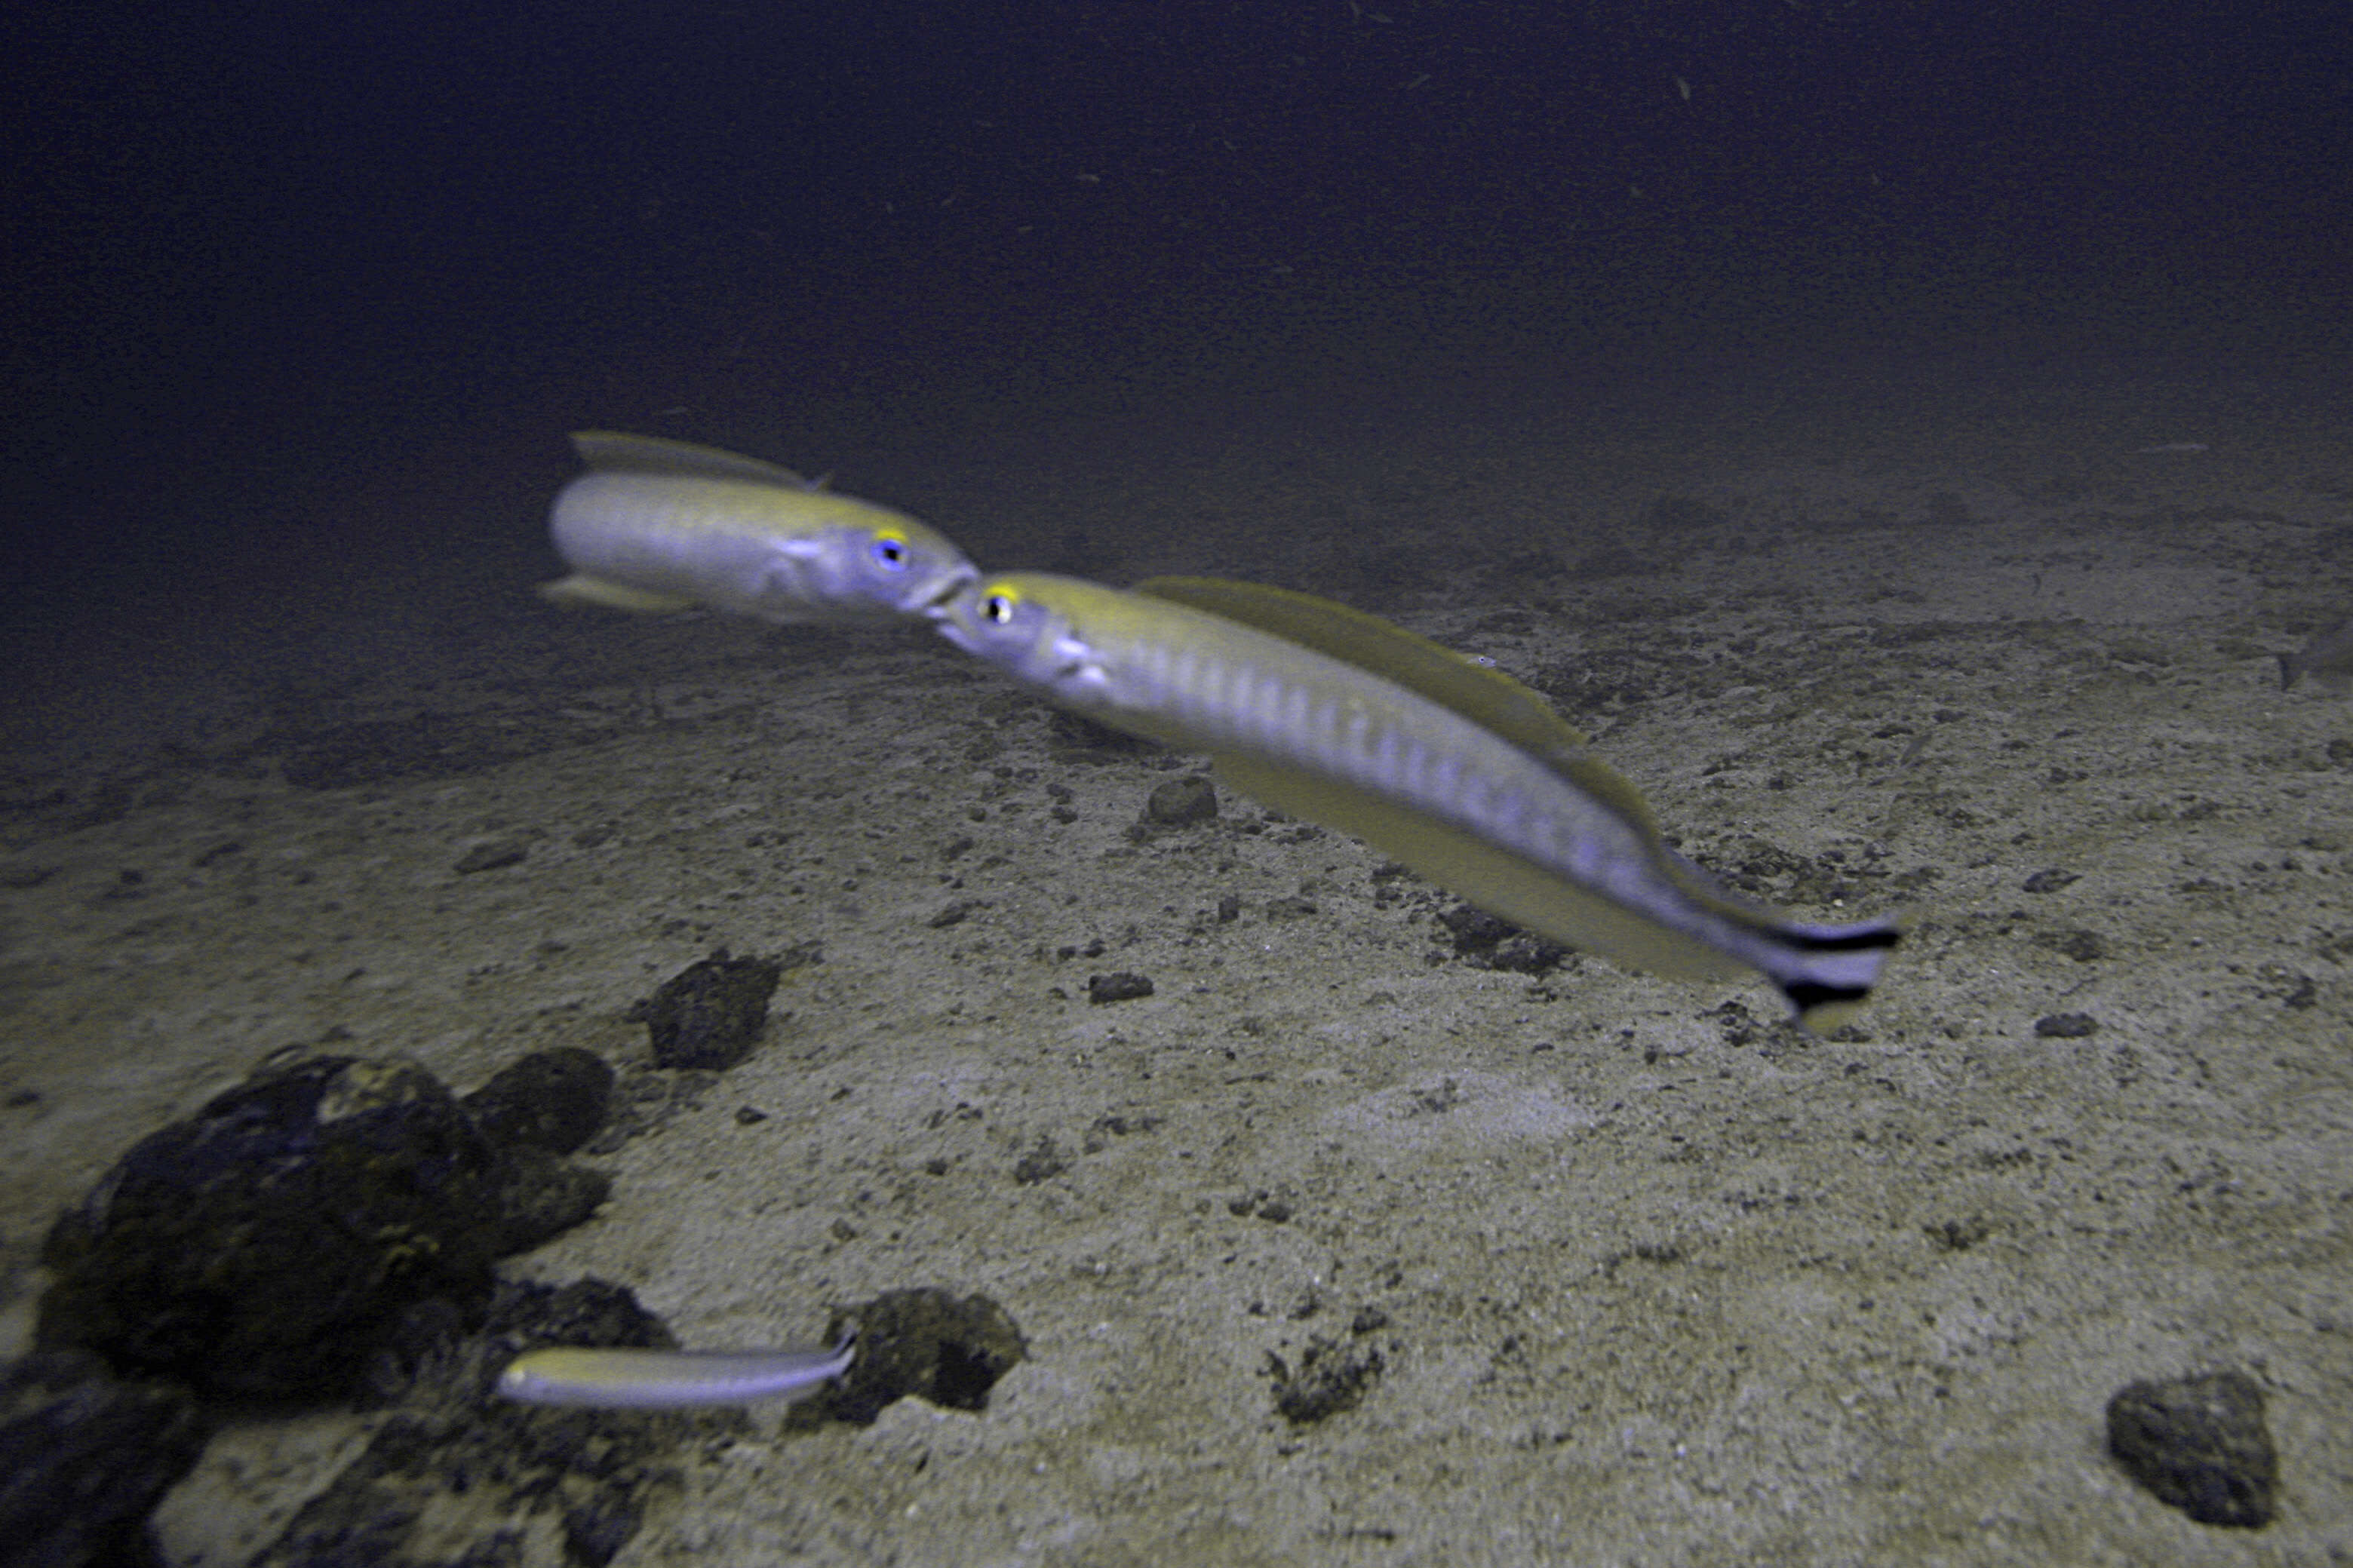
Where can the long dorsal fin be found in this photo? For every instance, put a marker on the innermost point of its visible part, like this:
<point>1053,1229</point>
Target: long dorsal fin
<point>1481,693</point>
<point>613,452</point>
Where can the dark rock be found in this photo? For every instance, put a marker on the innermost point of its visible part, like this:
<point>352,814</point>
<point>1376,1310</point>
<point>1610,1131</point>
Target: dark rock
<point>2066,1025</point>
<point>595,1531</point>
<point>84,1460</point>
<point>418,1342</point>
<point>552,1099</point>
<point>710,1014</point>
<point>1740,1026</point>
<point>1073,739</point>
<point>1181,802</point>
<point>541,1196</point>
<point>1523,953</point>
<point>2083,946</point>
<point>1120,987</point>
<point>2049,880</point>
<point>1264,1205</point>
<point>457,1475</point>
<point>2199,1445</point>
<point>1474,930</point>
<point>938,1347</point>
<point>1332,1377</point>
<point>1041,1163</point>
<point>270,1247</point>
<point>593,1314</point>
<point>258,1249</point>
<point>1118,1124</point>
<point>491,857</point>
<point>1957,1234</point>
<point>1489,943</point>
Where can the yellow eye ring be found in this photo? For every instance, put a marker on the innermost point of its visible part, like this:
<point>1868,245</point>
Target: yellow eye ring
<point>998,608</point>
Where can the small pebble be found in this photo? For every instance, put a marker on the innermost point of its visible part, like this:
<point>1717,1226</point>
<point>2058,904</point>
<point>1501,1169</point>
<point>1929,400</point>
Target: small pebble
<point>491,856</point>
<point>1181,802</point>
<point>1120,987</point>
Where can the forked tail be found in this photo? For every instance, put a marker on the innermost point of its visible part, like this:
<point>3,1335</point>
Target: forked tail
<point>1832,968</point>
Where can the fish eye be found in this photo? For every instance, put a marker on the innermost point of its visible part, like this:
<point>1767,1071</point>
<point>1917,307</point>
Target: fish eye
<point>997,609</point>
<point>891,551</point>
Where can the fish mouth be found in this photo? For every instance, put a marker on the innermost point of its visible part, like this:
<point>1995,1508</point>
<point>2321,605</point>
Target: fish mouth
<point>938,606</point>
<point>953,612</point>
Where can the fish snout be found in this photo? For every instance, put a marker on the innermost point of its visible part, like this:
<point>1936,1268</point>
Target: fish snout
<point>952,581</point>
<point>956,615</point>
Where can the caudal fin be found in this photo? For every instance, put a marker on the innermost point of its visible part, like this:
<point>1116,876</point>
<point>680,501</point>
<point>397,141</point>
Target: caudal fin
<point>1834,968</point>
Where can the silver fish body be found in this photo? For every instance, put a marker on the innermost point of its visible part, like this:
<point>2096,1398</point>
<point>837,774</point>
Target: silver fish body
<point>667,1380</point>
<point>1456,770</point>
<point>665,526</point>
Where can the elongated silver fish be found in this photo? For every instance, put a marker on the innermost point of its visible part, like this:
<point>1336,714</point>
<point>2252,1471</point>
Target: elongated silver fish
<point>665,526</point>
<point>1454,768</point>
<point>668,1379</point>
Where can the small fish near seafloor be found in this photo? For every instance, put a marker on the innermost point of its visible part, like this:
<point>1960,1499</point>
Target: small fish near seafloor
<point>1454,768</point>
<point>658,525</point>
<point>2327,658</point>
<point>593,1379</point>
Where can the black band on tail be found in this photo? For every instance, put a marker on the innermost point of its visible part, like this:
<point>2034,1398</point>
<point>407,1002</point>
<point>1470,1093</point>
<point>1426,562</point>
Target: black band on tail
<point>1856,939</point>
<point>1805,995</point>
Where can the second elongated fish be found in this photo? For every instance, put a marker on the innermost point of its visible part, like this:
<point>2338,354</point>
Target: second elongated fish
<point>1455,769</point>
<point>668,1379</point>
<point>657,524</point>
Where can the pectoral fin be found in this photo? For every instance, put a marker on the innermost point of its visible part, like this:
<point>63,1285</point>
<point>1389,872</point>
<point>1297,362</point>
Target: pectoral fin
<point>582,589</point>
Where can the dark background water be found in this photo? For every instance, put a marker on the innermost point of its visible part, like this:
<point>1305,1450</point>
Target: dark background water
<point>292,285</point>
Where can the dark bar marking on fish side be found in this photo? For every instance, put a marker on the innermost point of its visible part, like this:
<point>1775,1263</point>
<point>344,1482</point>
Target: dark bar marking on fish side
<point>1805,995</point>
<point>1849,942</point>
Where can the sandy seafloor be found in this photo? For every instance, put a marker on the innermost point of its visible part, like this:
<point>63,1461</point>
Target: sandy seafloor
<point>1651,1277</point>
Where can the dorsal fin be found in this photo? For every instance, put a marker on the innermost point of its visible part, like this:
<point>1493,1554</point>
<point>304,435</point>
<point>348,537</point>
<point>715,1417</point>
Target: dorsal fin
<point>611,451</point>
<point>1481,693</point>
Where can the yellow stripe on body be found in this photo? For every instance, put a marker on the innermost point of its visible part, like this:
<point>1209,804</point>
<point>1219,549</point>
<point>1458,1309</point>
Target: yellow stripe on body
<point>1478,787</point>
<point>1331,743</point>
<point>667,1380</point>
